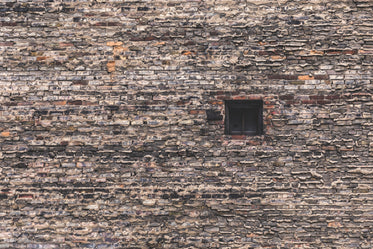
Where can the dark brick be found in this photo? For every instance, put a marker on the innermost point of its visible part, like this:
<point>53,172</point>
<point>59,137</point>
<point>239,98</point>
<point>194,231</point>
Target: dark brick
<point>282,77</point>
<point>235,196</point>
<point>8,24</point>
<point>80,82</point>
<point>213,115</point>
<point>74,102</point>
<point>321,77</point>
<point>286,97</point>
<point>317,97</point>
<point>20,165</point>
<point>19,9</point>
<point>143,8</point>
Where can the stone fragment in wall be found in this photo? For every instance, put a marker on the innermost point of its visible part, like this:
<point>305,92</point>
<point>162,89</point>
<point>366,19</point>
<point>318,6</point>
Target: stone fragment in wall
<point>149,202</point>
<point>110,66</point>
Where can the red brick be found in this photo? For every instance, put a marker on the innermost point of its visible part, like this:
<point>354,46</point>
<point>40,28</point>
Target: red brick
<point>317,97</point>
<point>311,101</point>
<point>323,102</point>
<point>332,97</point>
<point>5,134</point>
<point>238,137</point>
<point>41,58</point>
<point>305,77</point>
<point>239,98</point>
<point>255,97</point>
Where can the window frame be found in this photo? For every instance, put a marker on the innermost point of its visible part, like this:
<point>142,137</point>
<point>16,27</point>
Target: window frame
<point>244,106</point>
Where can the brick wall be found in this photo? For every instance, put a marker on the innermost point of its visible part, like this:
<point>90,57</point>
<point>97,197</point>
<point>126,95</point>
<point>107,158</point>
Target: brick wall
<point>105,141</point>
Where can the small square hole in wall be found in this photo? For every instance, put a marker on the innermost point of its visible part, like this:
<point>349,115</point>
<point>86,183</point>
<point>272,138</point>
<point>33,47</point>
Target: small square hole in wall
<point>244,117</point>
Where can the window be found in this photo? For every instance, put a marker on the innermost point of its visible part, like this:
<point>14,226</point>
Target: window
<point>244,117</point>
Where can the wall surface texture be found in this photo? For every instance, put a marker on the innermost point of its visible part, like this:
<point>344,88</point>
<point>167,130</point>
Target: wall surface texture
<point>105,141</point>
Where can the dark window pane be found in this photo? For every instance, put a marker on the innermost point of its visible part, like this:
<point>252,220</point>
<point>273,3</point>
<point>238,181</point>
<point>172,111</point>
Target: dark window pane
<point>251,120</point>
<point>235,120</point>
<point>244,117</point>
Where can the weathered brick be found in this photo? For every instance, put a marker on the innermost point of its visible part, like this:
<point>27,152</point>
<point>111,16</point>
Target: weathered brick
<point>112,120</point>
